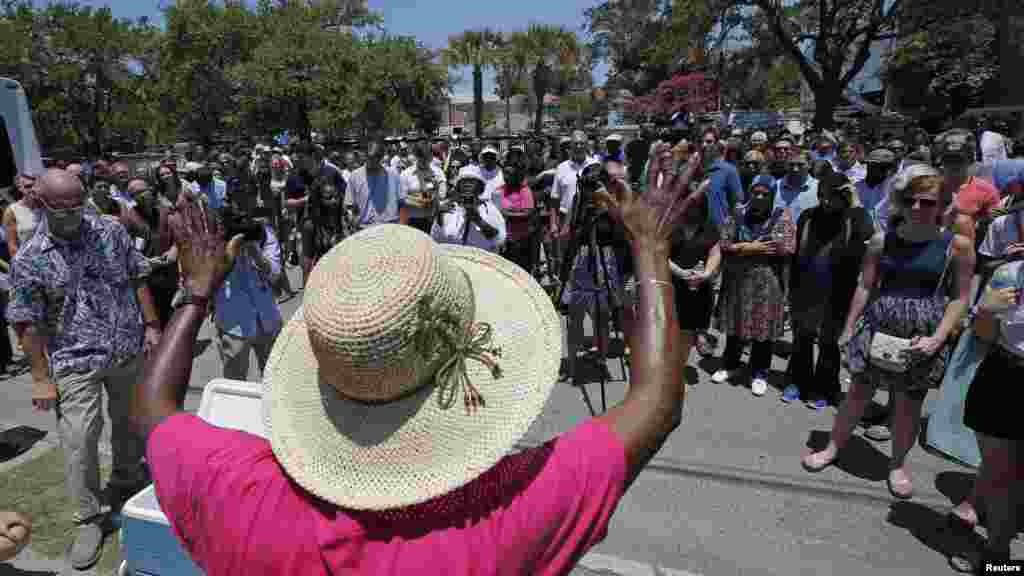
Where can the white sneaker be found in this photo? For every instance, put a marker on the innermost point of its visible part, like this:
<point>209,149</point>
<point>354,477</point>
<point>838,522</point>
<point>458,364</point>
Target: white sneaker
<point>759,386</point>
<point>721,376</point>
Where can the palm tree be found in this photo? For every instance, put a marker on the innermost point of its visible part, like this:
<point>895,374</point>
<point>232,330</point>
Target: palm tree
<point>474,48</point>
<point>511,60</point>
<point>553,54</point>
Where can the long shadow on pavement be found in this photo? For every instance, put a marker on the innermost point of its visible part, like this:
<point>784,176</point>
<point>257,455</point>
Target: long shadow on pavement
<point>858,458</point>
<point>932,529</point>
<point>954,485</point>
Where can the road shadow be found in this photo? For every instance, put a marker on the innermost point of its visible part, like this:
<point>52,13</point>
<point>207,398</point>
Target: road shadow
<point>954,485</point>
<point>200,347</point>
<point>858,458</point>
<point>18,440</point>
<point>710,364</point>
<point>933,529</point>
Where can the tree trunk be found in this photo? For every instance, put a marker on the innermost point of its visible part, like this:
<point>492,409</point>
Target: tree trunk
<point>825,102</point>
<point>508,112</point>
<point>478,100</point>
<point>539,89</point>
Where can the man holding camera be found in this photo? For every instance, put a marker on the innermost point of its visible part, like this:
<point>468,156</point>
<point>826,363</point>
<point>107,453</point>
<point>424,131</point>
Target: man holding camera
<point>470,218</point>
<point>305,190</point>
<point>246,314</point>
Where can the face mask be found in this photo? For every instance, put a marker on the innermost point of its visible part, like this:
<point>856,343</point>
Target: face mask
<point>778,169</point>
<point>761,205</point>
<point>65,223</point>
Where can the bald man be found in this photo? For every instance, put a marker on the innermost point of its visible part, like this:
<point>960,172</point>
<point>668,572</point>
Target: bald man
<point>78,288</point>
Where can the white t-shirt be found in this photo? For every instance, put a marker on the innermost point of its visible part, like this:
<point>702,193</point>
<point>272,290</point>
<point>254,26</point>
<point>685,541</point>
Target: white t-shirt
<point>993,146</point>
<point>565,184</point>
<point>411,187</point>
<point>454,223</point>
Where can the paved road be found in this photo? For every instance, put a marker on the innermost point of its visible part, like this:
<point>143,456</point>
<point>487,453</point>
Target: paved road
<point>726,495</point>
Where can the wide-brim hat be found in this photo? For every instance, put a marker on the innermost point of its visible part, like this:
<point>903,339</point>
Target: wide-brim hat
<point>356,404</point>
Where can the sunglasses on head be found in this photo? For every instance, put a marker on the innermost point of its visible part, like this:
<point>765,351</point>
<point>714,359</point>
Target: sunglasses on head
<point>909,202</point>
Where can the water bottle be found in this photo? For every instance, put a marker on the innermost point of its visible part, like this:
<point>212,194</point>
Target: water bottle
<point>1008,275</point>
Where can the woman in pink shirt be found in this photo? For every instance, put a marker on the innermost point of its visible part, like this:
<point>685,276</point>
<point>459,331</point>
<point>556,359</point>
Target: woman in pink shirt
<point>404,465</point>
<point>519,209</point>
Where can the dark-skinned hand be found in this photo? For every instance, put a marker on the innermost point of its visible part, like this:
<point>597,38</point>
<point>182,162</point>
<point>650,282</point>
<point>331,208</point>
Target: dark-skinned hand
<point>204,258</point>
<point>649,218</point>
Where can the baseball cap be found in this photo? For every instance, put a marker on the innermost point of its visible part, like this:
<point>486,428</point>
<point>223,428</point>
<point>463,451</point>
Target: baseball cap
<point>489,150</point>
<point>759,138</point>
<point>613,138</point>
<point>565,140</point>
<point>193,166</point>
<point>578,137</point>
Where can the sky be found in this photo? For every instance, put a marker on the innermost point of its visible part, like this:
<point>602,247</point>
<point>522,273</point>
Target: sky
<point>432,21</point>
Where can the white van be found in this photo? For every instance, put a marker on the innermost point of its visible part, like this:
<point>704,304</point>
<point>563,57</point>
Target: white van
<point>19,151</point>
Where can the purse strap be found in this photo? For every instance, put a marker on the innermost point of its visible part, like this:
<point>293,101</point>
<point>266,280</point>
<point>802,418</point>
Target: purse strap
<point>945,268</point>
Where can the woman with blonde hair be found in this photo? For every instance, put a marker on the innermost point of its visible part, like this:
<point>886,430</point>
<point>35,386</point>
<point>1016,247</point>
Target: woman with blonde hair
<point>900,318</point>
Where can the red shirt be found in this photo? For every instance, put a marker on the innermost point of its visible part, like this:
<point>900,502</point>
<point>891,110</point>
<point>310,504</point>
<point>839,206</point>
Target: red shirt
<point>977,198</point>
<point>236,511</point>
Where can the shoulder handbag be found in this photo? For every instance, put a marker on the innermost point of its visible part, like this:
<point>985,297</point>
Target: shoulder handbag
<point>888,352</point>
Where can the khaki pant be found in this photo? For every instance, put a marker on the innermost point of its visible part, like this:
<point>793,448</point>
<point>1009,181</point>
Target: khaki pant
<point>234,353</point>
<point>80,422</point>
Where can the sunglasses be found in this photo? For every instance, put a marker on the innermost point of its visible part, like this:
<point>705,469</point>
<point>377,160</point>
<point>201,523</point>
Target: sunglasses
<point>798,165</point>
<point>910,201</point>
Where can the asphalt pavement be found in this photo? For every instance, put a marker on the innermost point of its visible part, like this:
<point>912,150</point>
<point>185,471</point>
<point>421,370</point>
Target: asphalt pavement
<point>725,496</point>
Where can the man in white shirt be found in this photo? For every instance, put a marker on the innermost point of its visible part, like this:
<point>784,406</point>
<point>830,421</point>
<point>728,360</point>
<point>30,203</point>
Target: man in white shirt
<point>469,217</point>
<point>993,146</point>
<point>567,175</point>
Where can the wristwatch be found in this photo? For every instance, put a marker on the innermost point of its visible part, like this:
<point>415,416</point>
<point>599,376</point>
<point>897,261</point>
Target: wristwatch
<point>187,298</point>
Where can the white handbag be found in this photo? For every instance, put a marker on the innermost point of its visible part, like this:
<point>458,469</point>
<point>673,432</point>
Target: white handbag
<point>889,353</point>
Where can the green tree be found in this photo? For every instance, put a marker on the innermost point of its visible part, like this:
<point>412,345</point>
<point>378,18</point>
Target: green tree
<point>477,49</point>
<point>512,59</point>
<point>553,60</point>
<point>203,41</point>
<point>80,67</point>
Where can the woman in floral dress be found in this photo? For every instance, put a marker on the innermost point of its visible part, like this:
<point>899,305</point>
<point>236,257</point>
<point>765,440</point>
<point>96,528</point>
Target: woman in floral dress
<point>915,285</point>
<point>755,243</point>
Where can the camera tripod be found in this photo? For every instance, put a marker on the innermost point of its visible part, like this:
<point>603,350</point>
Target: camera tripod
<point>583,233</point>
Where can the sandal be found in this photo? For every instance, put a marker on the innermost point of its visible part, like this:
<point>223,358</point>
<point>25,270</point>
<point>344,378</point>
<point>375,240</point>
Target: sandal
<point>903,490</point>
<point>814,462</point>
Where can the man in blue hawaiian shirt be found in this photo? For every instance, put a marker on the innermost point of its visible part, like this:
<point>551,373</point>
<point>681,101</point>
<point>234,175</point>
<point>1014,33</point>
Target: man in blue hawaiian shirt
<point>78,288</point>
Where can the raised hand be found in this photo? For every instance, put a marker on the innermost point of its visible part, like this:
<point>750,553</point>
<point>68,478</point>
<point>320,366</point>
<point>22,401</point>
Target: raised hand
<point>203,256</point>
<point>650,217</point>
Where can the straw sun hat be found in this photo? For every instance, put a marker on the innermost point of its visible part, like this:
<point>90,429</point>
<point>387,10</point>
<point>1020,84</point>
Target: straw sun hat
<point>365,404</point>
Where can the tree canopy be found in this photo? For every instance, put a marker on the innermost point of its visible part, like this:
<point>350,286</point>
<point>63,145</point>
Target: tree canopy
<point>97,82</point>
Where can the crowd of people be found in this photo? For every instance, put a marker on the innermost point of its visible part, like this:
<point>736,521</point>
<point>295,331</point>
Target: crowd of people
<point>874,255</point>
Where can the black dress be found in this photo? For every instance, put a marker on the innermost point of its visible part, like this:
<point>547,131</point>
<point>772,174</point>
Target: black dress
<point>693,307</point>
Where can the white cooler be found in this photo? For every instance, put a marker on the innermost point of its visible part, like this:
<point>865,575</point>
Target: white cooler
<point>148,545</point>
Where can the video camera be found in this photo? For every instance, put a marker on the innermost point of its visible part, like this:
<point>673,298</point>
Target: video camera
<point>237,222</point>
